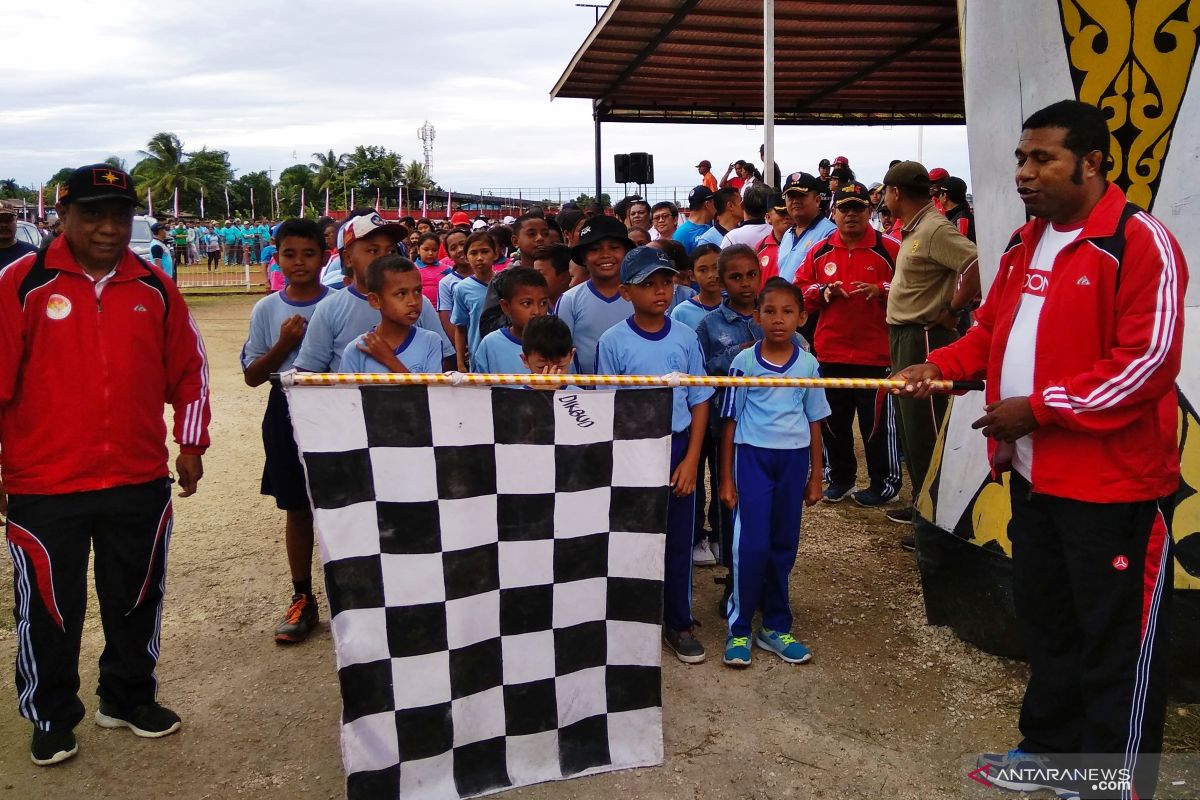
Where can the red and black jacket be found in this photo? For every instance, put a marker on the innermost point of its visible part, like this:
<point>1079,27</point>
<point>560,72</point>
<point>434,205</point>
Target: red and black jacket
<point>84,374</point>
<point>1109,343</point>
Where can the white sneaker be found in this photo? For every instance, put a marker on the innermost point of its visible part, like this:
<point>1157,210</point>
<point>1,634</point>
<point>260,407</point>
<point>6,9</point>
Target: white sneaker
<point>702,555</point>
<point>715,549</point>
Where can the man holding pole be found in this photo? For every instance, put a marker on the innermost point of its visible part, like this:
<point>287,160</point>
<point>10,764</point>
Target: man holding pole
<point>1080,339</point>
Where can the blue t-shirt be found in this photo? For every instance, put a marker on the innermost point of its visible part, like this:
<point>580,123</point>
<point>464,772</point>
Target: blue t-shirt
<point>268,314</point>
<point>691,311</point>
<point>679,295</point>
<point>688,233</point>
<point>589,314</point>
<point>793,248</point>
<point>500,352</point>
<point>446,290</point>
<point>232,234</point>
<point>711,236</point>
<point>421,351</point>
<point>467,306</point>
<point>340,319</point>
<point>162,252</point>
<point>267,252</point>
<point>331,275</point>
<point>626,349</point>
<point>774,418</point>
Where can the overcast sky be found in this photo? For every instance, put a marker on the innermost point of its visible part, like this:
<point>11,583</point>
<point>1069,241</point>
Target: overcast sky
<point>272,81</point>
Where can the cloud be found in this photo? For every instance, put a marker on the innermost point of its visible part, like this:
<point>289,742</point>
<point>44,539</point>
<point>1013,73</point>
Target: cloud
<point>269,79</point>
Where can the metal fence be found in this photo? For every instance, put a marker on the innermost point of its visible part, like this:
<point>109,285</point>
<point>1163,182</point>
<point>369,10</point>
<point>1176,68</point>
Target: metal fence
<point>233,268</point>
<point>557,195</point>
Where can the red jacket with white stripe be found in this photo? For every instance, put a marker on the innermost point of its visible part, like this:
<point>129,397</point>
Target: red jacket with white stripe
<point>1109,342</point>
<point>83,380</point>
<point>850,330</point>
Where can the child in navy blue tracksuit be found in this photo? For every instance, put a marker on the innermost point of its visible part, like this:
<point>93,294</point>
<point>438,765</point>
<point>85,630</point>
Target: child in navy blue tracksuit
<point>770,437</point>
<point>649,343</point>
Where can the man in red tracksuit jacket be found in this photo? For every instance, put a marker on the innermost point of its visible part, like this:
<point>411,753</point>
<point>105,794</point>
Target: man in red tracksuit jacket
<point>93,342</point>
<point>845,280</point>
<point>1080,340</point>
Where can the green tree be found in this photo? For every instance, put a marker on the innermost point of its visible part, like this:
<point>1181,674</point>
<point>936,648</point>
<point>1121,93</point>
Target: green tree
<point>60,176</point>
<point>117,162</point>
<point>416,178</point>
<point>328,170</point>
<point>239,195</point>
<point>372,166</point>
<point>585,200</point>
<point>291,181</point>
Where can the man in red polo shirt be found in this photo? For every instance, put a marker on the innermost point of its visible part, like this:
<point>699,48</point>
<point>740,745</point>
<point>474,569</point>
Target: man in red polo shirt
<point>845,280</point>
<point>1080,340</point>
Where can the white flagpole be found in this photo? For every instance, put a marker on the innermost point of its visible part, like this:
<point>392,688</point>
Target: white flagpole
<point>424,203</point>
<point>301,201</point>
<point>42,200</point>
<point>228,209</point>
<point>176,204</point>
<point>201,202</point>
<point>376,198</point>
<point>149,202</point>
<point>449,203</point>
<point>400,198</point>
<point>327,201</point>
<point>252,202</point>
<point>351,199</point>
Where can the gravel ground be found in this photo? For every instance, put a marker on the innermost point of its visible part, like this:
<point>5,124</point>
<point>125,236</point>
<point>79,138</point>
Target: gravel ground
<point>885,710</point>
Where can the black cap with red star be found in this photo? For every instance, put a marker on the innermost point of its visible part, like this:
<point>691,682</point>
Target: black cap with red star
<point>98,182</point>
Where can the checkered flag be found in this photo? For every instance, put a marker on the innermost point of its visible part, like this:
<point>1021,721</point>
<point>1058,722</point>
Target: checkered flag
<point>493,562</point>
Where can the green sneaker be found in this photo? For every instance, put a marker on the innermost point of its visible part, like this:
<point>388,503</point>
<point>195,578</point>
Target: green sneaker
<point>783,645</point>
<point>737,651</point>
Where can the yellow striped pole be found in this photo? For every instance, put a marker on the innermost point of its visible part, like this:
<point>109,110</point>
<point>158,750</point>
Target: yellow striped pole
<point>296,378</point>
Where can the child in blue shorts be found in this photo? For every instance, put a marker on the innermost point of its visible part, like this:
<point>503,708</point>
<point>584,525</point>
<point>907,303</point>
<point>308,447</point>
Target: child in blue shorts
<point>649,343</point>
<point>277,327</point>
<point>396,344</point>
<point>770,437</point>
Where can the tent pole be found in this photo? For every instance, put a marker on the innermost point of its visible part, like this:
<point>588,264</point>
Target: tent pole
<point>599,178</point>
<point>769,92</point>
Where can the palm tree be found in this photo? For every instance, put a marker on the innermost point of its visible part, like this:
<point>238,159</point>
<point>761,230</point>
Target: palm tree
<point>415,176</point>
<point>116,161</point>
<point>164,166</point>
<point>328,168</point>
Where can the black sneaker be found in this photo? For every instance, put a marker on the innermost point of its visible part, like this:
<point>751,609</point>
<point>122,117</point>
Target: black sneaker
<point>687,648</point>
<point>909,543</point>
<point>901,516</point>
<point>301,617</point>
<point>150,721</point>
<point>52,747</point>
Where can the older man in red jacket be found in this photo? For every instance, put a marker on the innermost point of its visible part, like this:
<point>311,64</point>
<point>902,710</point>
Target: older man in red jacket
<point>93,342</point>
<point>845,279</point>
<point>1080,340</point>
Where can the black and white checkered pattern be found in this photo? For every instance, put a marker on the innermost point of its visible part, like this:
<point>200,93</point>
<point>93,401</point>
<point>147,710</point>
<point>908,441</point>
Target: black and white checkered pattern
<point>493,563</point>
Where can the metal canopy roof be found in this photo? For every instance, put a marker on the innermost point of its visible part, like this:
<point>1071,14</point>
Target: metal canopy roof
<point>836,63</point>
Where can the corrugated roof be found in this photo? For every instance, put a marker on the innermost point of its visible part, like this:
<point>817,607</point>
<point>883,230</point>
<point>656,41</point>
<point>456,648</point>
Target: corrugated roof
<point>854,63</point>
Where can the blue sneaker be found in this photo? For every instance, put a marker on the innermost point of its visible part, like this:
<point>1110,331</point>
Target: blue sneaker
<point>737,651</point>
<point>783,645</point>
<point>869,498</point>
<point>836,492</point>
<point>1019,771</point>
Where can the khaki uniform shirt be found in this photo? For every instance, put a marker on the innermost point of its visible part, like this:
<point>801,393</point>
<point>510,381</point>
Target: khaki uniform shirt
<point>932,254</point>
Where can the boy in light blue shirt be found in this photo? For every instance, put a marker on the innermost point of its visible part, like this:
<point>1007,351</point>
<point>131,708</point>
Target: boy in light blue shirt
<point>648,343</point>
<point>597,304</point>
<point>768,439</point>
<point>522,298</point>
<point>344,316</point>
<point>396,344</point>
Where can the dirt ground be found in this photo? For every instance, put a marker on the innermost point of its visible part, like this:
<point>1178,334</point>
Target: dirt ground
<point>885,710</point>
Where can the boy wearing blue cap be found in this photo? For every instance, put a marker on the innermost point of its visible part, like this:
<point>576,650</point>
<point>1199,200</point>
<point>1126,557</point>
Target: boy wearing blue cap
<point>649,343</point>
<point>768,438</point>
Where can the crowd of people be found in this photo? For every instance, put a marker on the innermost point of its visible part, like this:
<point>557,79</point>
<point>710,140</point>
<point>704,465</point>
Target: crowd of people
<point>816,274</point>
